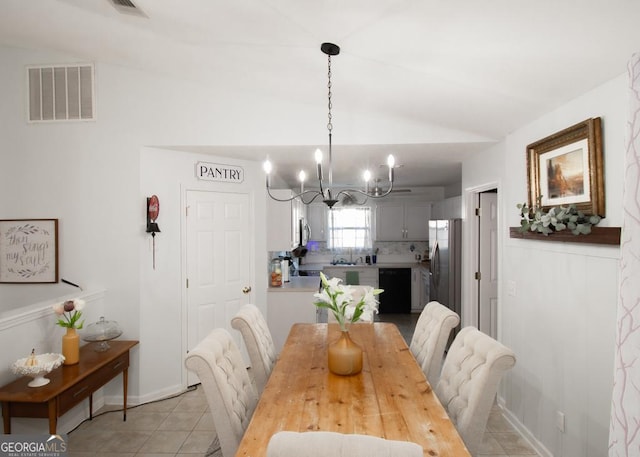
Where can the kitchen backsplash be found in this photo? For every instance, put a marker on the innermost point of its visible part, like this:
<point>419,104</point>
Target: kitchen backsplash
<point>388,251</point>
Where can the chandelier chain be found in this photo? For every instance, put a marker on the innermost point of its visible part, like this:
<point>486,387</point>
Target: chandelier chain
<point>329,124</point>
<point>328,194</point>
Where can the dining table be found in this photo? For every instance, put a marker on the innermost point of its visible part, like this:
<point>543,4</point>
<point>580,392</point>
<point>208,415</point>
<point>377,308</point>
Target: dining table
<point>390,398</point>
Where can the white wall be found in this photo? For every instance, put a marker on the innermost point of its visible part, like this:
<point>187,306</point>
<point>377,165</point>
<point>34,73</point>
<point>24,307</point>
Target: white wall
<point>561,321</point>
<point>85,174</point>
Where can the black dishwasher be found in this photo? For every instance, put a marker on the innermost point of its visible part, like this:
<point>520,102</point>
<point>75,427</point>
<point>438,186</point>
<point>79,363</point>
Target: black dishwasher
<point>396,297</point>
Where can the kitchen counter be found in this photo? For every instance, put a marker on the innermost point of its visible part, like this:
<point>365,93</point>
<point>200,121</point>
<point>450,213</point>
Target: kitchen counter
<point>378,265</point>
<point>299,284</point>
<point>321,266</point>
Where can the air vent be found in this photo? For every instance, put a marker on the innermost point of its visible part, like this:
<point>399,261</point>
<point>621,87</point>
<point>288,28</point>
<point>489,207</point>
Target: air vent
<point>61,93</point>
<point>127,7</point>
<point>124,3</point>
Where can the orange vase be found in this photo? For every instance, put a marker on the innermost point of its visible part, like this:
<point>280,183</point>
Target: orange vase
<point>345,356</point>
<point>71,347</point>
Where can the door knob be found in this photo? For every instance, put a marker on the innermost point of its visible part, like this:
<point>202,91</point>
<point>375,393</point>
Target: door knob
<point>246,289</point>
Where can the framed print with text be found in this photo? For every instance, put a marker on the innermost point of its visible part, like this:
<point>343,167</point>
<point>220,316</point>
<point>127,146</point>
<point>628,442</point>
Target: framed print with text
<point>28,251</point>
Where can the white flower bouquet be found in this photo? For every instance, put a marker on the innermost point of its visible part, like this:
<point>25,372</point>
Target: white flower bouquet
<point>340,299</point>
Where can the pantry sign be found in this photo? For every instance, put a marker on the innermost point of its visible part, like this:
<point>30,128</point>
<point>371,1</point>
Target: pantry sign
<point>219,172</point>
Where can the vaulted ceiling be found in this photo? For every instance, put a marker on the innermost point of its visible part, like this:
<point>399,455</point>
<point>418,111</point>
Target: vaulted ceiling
<point>466,72</point>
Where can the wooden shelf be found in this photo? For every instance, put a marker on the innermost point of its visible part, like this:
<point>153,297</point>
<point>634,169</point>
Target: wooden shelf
<point>598,235</point>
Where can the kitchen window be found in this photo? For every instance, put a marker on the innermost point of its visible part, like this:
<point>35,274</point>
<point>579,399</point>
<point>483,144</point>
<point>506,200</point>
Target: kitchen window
<point>350,228</point>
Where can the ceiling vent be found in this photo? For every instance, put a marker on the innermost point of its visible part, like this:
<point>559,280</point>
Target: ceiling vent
<point>127,7</point>
<point>61,93</point>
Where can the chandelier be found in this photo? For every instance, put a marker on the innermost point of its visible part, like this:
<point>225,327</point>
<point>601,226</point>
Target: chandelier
<point>326,192</point>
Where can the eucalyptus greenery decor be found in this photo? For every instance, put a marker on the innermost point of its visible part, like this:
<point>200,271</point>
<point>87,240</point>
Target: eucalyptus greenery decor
<point>557,218</point>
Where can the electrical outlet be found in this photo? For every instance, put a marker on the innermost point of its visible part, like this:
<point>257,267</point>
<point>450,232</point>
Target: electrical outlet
<point>560,420</point>
<point>511,288</point>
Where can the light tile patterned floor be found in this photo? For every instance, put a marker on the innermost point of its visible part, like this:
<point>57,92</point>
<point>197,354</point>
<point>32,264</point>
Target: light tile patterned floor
<point>177,426</point>
<point>183,426</point>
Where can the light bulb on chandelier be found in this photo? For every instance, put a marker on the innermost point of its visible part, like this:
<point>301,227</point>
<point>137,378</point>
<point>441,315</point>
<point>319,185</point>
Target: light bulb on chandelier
<point>326,191</point>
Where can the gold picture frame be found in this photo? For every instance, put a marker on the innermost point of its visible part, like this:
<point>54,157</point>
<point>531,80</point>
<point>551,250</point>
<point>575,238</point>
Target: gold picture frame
<point>28,251</point>
<point>567,168</point>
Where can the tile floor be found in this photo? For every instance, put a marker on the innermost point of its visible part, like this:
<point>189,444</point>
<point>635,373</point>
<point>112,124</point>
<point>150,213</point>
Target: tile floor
<point>182,426</point>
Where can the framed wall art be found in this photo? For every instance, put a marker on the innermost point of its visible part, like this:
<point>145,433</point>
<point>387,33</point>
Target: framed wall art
<point>567,168</point>
<point>28,251</point>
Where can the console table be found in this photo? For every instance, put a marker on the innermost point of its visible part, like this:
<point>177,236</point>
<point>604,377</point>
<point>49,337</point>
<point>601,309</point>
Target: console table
<point>70,384</point>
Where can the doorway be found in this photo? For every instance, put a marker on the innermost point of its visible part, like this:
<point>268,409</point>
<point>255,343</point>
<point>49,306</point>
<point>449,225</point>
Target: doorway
<point>487,297</point>
<point>481,256</point>
<point>218,265</point>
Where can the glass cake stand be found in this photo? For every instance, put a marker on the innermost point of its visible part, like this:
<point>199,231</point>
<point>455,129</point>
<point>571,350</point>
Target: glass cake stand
<point>102,332</point>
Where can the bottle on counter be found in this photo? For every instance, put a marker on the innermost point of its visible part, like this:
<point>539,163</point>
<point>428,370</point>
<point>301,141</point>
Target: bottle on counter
<point>284,266</point>
<point>276,273</point>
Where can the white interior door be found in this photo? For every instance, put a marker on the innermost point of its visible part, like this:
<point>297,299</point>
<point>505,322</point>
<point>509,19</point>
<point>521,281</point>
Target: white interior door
<point>218,270</point>
<point>488,264</point>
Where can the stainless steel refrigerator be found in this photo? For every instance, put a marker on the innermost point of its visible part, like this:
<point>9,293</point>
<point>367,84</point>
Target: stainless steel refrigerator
<point>445,244</point>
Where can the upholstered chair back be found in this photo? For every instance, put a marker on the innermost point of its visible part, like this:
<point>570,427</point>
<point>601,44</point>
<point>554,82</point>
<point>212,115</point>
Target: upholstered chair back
<point>322,444</point>
<point>257,338</point>
<point>430,338</point>
<point>231,396</point>
<point>469,381</point>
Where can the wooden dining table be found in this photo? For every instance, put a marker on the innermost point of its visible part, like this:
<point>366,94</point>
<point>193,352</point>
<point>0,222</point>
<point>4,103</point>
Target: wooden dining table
<point>391,398</point>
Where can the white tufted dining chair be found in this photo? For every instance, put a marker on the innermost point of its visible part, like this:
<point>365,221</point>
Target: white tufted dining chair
<point>469,381</point>
<point>257,338</point>
<point>231,396</point>
<point>321,444</point>
<point>430,338</point>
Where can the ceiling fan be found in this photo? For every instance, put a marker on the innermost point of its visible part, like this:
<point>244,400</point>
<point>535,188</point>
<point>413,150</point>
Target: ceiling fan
<point>351,200</point>
<point>378,191</point>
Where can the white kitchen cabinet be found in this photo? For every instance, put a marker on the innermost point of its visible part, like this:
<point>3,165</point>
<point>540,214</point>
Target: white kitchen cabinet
<point>416,289</point>
<point>389,222</point>
<point>317,219</point>
<point>285,309</point>
<point>402,221</point>
<point>426,283</point>
<point>416,220</point>
<point>368,276</point>
<point>283,220</point>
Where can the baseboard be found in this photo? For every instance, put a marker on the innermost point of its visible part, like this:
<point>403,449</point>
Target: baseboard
<point>523,431</point>
<point>135,400</point>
